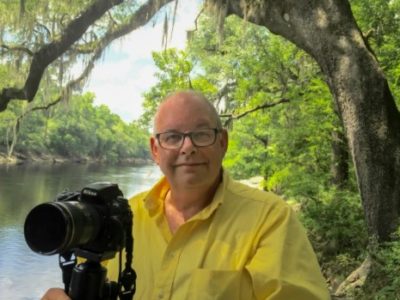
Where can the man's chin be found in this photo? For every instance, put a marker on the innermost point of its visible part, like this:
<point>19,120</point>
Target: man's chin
<point>191,170</point>
<point>192,178</point>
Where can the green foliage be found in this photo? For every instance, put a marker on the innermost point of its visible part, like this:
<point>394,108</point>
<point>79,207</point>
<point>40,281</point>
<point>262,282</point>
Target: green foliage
<point>30,139</point>
<point>383,283</point>
<point>247,150</point>
<point>299,155</point>
<point>6,119</point>
<point>83,130</point>
<point>290,142</point>
<point>174,73</point>
<point>379,20</point>
<point>335,224</point>
<point>77,130</point>
<point>74,135</point>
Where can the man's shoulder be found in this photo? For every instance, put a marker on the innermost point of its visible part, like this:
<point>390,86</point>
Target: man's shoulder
<point>157,190</point>
<point>254,207</point>
<point>137,198</point>
<point>247,193</point>
<point>140,195</point>
<point>254,201</point>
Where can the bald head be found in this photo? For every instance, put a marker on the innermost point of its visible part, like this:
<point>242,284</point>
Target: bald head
<point>190,100</point>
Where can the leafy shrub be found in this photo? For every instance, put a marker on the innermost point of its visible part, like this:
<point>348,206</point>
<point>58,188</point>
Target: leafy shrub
<point>383,283</point>
<point>336,227</point>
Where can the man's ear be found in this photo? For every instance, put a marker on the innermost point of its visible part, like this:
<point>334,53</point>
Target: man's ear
<point>154,149</point>
<point>224,140</point>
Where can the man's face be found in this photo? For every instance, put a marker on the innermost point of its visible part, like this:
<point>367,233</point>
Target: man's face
<point>188,166</point>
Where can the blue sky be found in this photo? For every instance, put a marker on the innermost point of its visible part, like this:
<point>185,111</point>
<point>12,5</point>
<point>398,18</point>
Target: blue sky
<point>127,69</point>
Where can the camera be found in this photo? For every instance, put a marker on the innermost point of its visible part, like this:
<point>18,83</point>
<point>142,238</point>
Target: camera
<point>94,223</point>
<point>94,220</point>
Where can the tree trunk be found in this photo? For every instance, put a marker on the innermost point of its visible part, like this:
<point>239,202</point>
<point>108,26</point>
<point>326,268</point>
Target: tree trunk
<point>327,31</point>
<point>340,154</point>
<point>340,160</point>
<point>11,142</point>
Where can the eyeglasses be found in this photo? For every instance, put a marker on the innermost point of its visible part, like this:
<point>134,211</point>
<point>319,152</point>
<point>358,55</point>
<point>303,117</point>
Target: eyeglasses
<point>200,138</point>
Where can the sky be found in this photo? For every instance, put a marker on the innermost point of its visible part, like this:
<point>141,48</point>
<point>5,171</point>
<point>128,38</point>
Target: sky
<point>126,70</point>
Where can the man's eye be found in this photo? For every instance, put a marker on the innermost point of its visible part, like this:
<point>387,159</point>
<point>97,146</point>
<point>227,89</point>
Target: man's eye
<point>173,138</point>
<point>202,135</point>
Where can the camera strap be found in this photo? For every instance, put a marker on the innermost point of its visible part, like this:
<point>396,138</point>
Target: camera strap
<point>128,276</point>
<point>67,262</point>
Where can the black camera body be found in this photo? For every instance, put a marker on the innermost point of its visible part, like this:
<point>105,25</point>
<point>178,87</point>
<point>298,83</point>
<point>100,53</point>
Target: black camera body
<point>93,223</point>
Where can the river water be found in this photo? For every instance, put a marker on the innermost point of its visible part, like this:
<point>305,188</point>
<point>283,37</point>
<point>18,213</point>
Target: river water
<point>25,275</point>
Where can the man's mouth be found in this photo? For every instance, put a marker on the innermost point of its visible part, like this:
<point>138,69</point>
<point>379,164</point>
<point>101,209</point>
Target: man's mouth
<point>192,164</point>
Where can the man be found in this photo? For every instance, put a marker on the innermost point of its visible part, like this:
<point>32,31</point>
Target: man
<point>201,235</point>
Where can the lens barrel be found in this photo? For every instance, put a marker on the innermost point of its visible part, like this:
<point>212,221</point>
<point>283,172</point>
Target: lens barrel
<point>55,227</point>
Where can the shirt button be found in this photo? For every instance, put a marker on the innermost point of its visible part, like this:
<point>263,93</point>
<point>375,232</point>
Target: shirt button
<point>160,296</point>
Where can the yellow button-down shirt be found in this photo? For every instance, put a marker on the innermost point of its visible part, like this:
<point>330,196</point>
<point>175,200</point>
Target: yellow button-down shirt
<point>247,244</point>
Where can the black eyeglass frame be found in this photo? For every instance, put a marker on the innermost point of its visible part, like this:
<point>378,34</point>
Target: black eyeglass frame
<point>189,135</point>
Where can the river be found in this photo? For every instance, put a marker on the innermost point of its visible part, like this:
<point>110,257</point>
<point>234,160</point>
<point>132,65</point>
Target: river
<point>25,275</point>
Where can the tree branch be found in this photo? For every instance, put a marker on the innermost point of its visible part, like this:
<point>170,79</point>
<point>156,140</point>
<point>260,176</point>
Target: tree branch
<point>46,29</point>
<point>138,19</point>
<point>190,33</point>
<point>112,18</point>
<point>149,10</point>
<point>141,16</point>
<point>49,52</point>
<point>17,48</point>
<point>262,106</point>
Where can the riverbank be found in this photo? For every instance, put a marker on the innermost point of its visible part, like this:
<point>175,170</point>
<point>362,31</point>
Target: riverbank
<point>18,159</point>
<point>21,159</point>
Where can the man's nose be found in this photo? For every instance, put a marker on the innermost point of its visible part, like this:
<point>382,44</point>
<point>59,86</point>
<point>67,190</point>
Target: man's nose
<point>188,146</point>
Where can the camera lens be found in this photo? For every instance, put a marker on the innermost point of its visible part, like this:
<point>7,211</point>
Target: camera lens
<point>55,227</point>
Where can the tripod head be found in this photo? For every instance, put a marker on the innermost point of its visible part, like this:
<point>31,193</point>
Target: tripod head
<point>87,280</point>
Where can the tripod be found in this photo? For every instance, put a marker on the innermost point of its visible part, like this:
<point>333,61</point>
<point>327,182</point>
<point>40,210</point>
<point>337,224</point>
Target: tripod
<point>87,281</point>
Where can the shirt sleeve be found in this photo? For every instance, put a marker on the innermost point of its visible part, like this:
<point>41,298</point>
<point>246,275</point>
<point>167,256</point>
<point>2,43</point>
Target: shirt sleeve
<point>284,265</point>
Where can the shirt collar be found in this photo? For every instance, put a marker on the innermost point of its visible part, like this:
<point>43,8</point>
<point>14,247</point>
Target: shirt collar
<point>218,199</point>
<point>154,200</point>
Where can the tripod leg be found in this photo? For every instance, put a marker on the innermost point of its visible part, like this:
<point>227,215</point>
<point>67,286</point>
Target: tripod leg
<point>87,282</point>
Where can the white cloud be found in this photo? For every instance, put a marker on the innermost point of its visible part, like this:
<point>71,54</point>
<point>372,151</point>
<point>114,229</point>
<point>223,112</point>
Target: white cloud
<point>127,69</point>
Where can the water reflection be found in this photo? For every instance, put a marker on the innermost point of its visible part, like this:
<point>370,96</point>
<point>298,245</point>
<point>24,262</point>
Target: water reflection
<point>24,274</point>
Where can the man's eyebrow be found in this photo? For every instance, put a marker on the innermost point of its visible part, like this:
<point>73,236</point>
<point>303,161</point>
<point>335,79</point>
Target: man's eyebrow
<point>200,125</point>
<point>203,124</point>
<point>170,130</point>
